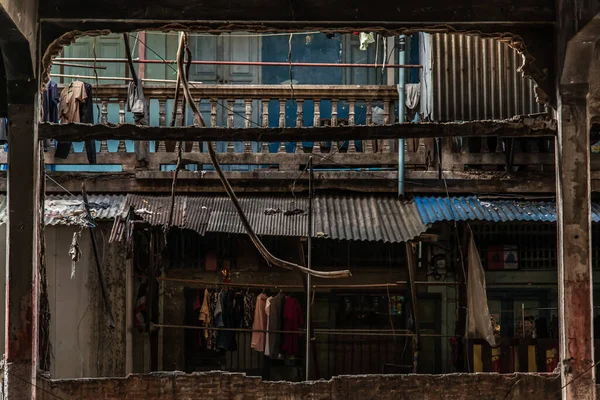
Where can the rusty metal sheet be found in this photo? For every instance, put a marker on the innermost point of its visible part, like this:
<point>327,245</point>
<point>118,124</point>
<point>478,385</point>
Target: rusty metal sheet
<point>348,217</point>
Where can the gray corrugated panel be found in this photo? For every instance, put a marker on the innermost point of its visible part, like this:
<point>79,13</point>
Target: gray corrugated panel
<point>477,78</point>
<point>368,218</point>
<point>267,216</point>
<point>69,210</point>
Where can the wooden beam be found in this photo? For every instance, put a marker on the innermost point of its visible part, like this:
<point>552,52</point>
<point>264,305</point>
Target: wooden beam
<point>521,127</point>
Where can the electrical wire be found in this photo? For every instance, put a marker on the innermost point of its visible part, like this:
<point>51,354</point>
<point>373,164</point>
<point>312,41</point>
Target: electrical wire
<point>13,375</point>
<point>195,87</point>
<point>462,259</point>
<point>199,121</point>
<point>217,100</point>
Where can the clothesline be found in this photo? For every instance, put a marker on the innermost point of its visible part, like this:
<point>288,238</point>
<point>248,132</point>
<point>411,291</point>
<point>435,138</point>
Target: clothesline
<point>372,332</point>
<point>284,286</point>
<point>64,64</point>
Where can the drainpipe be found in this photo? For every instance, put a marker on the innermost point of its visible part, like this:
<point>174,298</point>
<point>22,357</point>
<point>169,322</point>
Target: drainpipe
<point>401,105</point>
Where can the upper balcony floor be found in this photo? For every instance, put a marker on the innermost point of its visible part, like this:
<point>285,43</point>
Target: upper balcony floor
<point>246,81</point>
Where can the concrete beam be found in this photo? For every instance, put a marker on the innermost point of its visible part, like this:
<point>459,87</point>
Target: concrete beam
<point>435,11</point>
<point>525,126</point>
<point>21,25</point>
<point>421,182</point>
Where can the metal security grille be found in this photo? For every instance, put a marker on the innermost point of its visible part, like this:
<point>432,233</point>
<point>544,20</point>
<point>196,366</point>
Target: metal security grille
<point>536,242</point>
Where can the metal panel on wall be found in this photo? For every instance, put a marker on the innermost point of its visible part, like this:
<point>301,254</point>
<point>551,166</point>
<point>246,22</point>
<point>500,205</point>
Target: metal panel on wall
<point>476,78</point>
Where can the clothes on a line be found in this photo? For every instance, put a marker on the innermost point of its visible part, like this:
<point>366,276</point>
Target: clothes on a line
<point>73,105</point>
<point>265,315</point>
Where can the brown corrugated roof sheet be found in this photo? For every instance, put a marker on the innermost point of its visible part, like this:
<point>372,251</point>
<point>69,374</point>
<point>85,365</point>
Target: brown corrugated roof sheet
<point>348,217</point>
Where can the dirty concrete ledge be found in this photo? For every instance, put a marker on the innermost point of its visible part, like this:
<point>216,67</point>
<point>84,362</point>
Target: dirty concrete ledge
<point>224,385</point>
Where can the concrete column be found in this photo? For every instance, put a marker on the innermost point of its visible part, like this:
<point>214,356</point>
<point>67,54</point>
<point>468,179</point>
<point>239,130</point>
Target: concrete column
<point>22,253</point>
<point>574,250</point>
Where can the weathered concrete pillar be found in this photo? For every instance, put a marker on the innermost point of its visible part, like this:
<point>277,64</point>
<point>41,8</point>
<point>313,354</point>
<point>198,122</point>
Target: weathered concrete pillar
<point>21,337</point>
<point>574,223</point>
<point>21,254</point>
<point>574,251</point>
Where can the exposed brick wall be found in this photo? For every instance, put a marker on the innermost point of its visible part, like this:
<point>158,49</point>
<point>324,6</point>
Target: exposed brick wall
<point>223,385</point>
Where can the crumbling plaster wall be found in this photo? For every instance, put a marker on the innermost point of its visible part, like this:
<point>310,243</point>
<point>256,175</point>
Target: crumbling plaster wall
<point>223,385</point>
<point>82,344</point>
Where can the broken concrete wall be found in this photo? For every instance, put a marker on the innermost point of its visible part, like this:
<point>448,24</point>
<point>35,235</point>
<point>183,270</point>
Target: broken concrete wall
<point>82,344</point>
<point>222,385</point>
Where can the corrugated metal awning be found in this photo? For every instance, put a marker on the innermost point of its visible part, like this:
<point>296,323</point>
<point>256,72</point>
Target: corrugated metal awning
<point>369,218</point>
<point>69,210</point>
<point>436,209</point>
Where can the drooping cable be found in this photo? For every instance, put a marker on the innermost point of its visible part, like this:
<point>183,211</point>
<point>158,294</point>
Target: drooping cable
<point>199,121</point>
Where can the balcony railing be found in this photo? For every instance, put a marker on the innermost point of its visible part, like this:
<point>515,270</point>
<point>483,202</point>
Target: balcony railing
<point>246,106</point>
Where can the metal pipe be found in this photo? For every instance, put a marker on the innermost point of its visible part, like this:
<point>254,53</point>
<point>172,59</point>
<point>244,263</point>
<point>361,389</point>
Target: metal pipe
<point>401,101</point>
<point>66,64</point>
<point>309,264</point>
<point>253,63</point>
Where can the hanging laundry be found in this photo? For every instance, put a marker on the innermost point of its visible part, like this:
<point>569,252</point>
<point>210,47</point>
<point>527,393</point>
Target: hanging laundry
<point>275,324</point>
<point>211,340</point>
<point>71,98</point>
<point>268,335</point>
<point>74,252</point>
<point>142,320</point>
<point>226,338</point>
<point>136,103</point>
<point>365,40</point>
<point>197,306</point>
<point>249,304</point>
<point>51,102</point>
<point>86,116</point>
<point>260,323</point>
<point>292,321</point>
<point>218,311</point>
<point>413,95</point>
<point>205,316</point>
<point>3,131</point>
<point>140,309</point>
<point>238,310</point>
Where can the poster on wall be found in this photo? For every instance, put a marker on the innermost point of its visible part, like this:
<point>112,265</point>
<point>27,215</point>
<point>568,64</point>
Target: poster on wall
<point>501,257</point>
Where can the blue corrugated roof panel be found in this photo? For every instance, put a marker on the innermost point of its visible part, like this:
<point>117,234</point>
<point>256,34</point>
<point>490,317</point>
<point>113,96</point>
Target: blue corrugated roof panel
<point>435,209</point>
